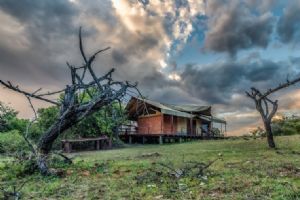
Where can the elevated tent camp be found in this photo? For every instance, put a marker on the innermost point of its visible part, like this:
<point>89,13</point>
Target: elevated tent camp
<point>155,118</point>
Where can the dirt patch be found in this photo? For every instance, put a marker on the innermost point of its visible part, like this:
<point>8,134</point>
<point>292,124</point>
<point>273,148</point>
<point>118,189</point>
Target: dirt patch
<point>149,155</point>
<point>289,170</point>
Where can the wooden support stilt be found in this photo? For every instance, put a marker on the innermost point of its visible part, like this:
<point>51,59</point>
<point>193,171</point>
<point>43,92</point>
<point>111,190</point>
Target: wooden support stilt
<point>110,143</point>
<point>191,126</point>
<point>172,124</point>
<point>97,145</point>
<point>130,139</point>
<point>143,140</point>
<point>68,147</point>
<point>162,123</point>
<point>160,140</point>
<point>221,128</point>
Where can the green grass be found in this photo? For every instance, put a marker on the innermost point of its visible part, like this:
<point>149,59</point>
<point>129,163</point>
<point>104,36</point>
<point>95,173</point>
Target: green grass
<point>247,170</point>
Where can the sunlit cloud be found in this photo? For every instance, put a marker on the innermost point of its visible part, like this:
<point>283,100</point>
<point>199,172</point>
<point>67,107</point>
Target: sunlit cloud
<point>150,43</point>
<point>174,76</point>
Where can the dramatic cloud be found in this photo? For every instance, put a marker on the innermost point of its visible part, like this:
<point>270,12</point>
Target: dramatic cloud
<point>233,26</point>
<point>40,36</point>
<point>216,83</point>
<point>29,28</point>
<point>147,38</point>
<point>289,23</point>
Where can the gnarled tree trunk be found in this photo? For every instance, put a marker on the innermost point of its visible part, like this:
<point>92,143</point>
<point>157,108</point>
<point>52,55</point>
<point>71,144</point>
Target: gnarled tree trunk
<point>268,108</point>
<point>269,134</point>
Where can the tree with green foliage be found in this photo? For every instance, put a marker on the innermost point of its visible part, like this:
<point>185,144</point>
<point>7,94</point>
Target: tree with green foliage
<point>9,120</point>
<point>258,132</point>
<point>45,118</point>
<point>281,127</point>
<point>286,126</point>
<point>11,128</point>
<point>103,122</point>
<point>73,109</point>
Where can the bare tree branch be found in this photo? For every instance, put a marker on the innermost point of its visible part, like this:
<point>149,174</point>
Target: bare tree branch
<point>16,89</point>
<point>265,113</point>
<point>281,86</point>
<point>51,93</point>
<point>105,92</point>
<point>81,47</point>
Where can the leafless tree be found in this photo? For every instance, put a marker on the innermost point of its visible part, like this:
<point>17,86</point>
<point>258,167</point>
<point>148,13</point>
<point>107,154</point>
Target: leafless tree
<point>74,107</point>
<point>267,108</point>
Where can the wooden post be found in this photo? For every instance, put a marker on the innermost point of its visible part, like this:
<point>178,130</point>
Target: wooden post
<point>68,147</point>
<point>162,123</point>
<point>160,140</point>
<point>97,144</point>
<point>109,143</point>
<point>172,123</point>
<point>191,126</point>
<point>143,140</point>
<point>130,139</point>
<point>221,129</point>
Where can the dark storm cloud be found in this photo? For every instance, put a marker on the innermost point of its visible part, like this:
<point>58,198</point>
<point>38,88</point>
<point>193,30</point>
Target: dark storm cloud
<point>24,66</point>
<point>264,5</point>
<point>289,23</point>
<point>157,80</point>
<point>45,16</point>
<point>37,37</point>
<point>145,42</point>
<point>119,57</point>
<point>30,9</point>
<point>295,61</point>
<point>218,82</point>
<point>51,27</point>
<point>262,70</point>
<point>232,26</point>
<point>43,24</point>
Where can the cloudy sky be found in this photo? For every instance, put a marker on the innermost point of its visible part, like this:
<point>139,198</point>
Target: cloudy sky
<point>180,51</point>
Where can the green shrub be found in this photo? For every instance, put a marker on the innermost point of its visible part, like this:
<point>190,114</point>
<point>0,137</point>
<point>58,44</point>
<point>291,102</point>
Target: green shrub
<point>11,142</point>
<point>9,120</point>
<point>258,132</point>
<point>286,126</point>
<point>288,130</point>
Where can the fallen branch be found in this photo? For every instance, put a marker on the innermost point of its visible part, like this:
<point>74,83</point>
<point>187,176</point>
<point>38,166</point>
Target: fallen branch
<point>66,158</point>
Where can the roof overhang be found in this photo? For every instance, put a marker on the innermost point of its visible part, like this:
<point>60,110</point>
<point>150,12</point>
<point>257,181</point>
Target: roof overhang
<point>136,107</point>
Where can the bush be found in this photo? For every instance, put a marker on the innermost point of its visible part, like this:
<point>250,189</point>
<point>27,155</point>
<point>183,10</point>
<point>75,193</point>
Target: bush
<point>9,120</point>
<point>258,132</point>
<point>286,126</point>
<point>11,142</point>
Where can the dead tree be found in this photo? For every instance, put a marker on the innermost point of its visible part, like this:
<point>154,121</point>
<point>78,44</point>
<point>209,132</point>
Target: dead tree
<point>267,108</point>
<point>74,107</point>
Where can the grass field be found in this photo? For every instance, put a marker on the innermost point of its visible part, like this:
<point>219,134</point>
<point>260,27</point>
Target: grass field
<point>247,170</point>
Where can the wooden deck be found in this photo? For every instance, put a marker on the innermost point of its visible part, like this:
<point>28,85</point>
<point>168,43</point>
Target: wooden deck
<point>162,138</point>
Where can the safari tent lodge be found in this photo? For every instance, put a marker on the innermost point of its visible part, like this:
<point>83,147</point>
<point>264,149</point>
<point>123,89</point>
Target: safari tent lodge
<point>155,121</point>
